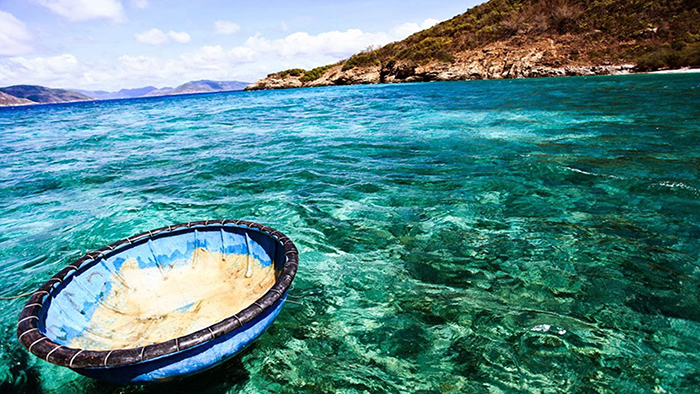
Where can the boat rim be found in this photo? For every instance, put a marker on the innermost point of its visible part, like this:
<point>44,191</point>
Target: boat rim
<point>31,337</point>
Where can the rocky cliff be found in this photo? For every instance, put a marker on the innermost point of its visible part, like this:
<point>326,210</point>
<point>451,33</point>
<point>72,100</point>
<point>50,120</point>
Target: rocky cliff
<point>525,38</point>
<point>501,60</point>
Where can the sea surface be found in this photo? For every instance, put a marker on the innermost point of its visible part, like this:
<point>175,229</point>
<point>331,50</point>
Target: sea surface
<point>512,236</point>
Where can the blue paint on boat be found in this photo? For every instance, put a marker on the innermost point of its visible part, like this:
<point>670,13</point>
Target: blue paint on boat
<point>69,311</point>
<point>65,308</point>
<point>190,361</point>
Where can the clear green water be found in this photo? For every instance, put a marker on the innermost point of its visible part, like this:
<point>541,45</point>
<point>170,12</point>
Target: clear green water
<point>493,236</point>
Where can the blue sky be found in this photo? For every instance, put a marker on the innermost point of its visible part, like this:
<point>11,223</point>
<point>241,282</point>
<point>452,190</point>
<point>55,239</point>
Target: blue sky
<point>113,44</point>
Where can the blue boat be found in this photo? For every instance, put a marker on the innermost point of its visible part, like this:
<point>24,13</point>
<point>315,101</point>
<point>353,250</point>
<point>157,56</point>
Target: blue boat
<point>163,304</point>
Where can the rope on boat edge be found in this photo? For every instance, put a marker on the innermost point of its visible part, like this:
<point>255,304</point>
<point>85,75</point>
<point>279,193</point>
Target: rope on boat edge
<point>17,296</point>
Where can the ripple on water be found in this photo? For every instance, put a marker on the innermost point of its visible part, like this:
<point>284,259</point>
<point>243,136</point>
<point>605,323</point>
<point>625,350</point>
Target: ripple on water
<point>489,236</point>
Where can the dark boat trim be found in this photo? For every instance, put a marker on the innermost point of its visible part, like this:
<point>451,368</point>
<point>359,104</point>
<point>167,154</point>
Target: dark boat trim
<point>37,343</point>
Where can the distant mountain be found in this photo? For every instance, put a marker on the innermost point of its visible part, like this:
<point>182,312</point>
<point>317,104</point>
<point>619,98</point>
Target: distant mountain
<point>159,92</point>
<point>524,38</point>
<point>203,86</point>
<point>7,100</point>
<point>42,95</point>
<point>31,94</point>
<point>124,93</point>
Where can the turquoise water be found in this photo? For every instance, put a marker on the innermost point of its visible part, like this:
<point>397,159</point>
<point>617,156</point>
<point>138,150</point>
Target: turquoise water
<point>490,236</point>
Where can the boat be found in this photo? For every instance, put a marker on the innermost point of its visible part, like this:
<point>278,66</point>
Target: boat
<point>164,304</point>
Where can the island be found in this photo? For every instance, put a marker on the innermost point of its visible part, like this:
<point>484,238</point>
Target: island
<point>521,39</point>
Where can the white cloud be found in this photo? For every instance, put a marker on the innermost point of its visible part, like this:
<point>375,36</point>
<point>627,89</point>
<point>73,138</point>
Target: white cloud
<point>14,36</point>
<point>407,29</point>
<point>428,23</point>
<point>141,4</point>
<point>216,57</point>
<point>338,44</point>
<point>255,58</point>
<point>152,37</point>
<point>226,27</point>
<point>56,65</point>
<point>80,10</point>
<point>67,71</point>
<point>50,71</point>
<point>179,37</point>
<point>157,37</point>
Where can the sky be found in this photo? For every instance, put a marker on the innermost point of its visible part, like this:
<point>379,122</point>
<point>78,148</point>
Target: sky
<point>115,44</point>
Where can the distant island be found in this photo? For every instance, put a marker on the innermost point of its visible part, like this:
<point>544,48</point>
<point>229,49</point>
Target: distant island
<point>32,94</point>
<point>203,86</point>
<point>524,38</point>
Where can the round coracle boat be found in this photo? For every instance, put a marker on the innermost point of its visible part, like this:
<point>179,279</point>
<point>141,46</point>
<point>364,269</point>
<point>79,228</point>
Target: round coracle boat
<point>163,304</point>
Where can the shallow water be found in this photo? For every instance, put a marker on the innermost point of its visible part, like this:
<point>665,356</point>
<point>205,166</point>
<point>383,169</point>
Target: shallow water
<point>488,236</point>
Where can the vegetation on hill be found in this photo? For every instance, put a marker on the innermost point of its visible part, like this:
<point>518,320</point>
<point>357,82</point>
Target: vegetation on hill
<point>651,33</point>
<point>315,73</point>
<point>522,38</point>
<point>306,75</point>
<point>295,72</point>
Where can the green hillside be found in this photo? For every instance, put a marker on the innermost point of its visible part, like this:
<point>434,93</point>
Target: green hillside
<point>649,34</point>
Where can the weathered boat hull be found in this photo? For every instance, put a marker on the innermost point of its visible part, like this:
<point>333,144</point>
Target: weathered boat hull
<point>163,304</point>
<point>190,361</point>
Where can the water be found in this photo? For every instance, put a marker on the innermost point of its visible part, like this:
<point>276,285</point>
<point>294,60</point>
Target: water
<point>492,236</point>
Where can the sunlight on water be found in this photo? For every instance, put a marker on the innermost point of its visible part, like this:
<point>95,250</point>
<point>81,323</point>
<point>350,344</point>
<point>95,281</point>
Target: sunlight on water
<point>489,236</point>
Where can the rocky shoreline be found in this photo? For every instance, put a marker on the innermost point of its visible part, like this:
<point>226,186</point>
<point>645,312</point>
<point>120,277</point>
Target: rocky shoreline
<point>497,61</point>
<point>377,75</point>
